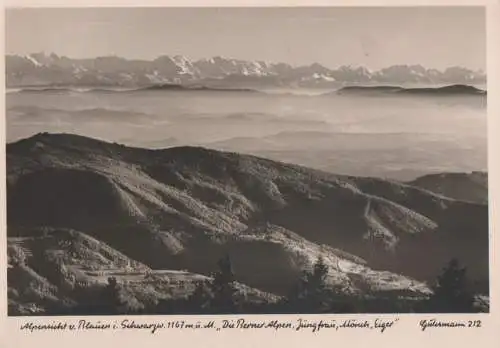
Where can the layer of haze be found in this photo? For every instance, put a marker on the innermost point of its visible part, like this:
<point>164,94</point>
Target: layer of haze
<point>373,37</point>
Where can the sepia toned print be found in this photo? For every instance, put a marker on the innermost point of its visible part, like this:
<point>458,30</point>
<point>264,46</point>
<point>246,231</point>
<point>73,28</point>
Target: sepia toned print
<point>271,160</point>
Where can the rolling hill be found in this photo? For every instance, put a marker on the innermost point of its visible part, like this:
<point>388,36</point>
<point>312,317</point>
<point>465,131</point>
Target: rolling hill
<point>141,211</point>
<point>450,90</point>
<point>472,187</point>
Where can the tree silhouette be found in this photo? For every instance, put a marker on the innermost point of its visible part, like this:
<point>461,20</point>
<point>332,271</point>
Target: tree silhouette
<point>111,298</point>
<point>223,288</point>
<point>451,293</point>
<point>311,294</point>
<point>199,300</point>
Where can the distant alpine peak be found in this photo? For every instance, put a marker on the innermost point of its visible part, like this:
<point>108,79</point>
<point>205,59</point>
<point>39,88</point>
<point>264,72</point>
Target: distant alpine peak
<point>49,69</point>
<point>40,59</point>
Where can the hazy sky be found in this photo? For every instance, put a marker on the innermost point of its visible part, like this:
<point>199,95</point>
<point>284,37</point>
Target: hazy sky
<point>373,37</point>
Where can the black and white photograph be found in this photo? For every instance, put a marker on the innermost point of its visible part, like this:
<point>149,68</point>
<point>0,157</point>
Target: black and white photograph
<point>274,160</point>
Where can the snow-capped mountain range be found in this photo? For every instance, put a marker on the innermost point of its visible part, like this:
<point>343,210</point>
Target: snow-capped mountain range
<point>51,69</point>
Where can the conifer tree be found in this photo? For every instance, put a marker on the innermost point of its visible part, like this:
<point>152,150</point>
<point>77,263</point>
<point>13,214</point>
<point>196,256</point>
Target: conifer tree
<point>111,297</point>
<point>199,300</point>
<point>451,293</point>
<point>312,294</point>
<point>223,288</point>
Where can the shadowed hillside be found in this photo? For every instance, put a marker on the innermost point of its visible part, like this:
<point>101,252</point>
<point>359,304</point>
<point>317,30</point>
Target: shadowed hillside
<point>451,90</point>
<point>57,270</point>
<point>472,187</point>
<point>182,208</point>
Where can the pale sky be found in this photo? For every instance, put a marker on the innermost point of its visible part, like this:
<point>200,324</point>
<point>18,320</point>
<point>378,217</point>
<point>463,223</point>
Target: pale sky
<point>373,37</point>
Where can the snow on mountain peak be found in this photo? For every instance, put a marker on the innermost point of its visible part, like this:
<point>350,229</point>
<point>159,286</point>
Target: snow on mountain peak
<point>33,60</point>
<point>218,67</point>
<point>184,64</point>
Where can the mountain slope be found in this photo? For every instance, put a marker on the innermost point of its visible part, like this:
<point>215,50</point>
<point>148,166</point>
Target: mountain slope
<point>59,268</point>
<point>184,207</point>
<point>451,90</point>
<point>472,187</point>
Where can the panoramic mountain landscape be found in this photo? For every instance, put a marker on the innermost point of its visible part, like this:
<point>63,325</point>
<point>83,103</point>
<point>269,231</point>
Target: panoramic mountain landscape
<point>52,70</point>
<point>81,210</point>
<point>325,168</point>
